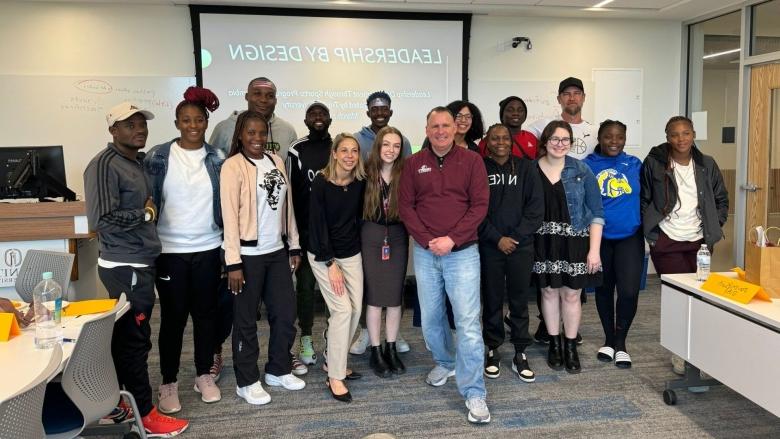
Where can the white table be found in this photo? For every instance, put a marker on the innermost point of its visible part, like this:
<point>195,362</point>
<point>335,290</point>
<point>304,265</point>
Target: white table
<point>21,363</point>
<point>737,344</point>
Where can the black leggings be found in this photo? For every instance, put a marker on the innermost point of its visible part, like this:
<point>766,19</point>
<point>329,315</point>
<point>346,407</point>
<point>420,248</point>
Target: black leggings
<point>623,262</point>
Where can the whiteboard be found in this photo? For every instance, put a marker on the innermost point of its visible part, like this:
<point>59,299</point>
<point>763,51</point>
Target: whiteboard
<point>619,96</point>
<point>70,111</point>
<point>541,97</point>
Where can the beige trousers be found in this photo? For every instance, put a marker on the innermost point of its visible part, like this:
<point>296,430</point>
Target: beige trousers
<point>344,310</point>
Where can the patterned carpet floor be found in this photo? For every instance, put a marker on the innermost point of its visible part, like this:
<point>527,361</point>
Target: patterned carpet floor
<point>603,401</point>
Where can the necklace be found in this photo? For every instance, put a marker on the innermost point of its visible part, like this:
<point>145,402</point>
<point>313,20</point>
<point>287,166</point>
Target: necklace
<point>684,177</point>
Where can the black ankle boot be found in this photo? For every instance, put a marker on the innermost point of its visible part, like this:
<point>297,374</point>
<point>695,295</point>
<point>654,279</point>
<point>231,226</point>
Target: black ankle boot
<point>392,359</point>
<point>570,356</point>
<point>378,363</point>
<point>555,353</point>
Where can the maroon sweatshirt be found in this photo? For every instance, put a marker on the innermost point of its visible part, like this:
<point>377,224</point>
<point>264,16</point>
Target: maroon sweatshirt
<point>445,196</point>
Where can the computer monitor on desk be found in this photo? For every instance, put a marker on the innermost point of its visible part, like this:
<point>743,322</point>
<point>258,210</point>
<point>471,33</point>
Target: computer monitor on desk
<point>33,172</point>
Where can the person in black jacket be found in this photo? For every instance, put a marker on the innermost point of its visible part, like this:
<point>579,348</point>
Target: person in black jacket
<point>306,157</point>
<point>506,248</point>
<point>684,202</point>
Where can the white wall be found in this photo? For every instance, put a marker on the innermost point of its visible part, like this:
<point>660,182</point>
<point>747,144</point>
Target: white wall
<point>143,40</point>
<point>569,47</point>
<point>720,99</point>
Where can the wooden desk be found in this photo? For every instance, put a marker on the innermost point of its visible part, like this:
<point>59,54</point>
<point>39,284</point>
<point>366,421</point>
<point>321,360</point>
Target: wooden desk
<point>56,226</point>
<point>21,362</point>
<point>738,345</point>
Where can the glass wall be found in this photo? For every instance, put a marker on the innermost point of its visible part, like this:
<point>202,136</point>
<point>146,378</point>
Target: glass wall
<point>765,32</point>
<point>713,102</point>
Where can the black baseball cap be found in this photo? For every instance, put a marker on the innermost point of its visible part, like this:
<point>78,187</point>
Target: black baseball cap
<point>316,104</point>
<point>570,82</point>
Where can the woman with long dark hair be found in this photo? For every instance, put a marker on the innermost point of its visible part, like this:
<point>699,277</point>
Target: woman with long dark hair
<point>568,242</point>
<point>334,254</point>
<point>261,249</point>
<point>185,186</point>
<point>385,248</point>
<point>622,243</point>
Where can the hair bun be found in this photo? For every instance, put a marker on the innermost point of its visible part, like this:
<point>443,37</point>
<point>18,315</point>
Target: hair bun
<point>202,96</point>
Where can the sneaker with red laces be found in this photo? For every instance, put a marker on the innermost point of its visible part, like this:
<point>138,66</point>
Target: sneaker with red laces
<point>158,425</point>
<point>216,367</point>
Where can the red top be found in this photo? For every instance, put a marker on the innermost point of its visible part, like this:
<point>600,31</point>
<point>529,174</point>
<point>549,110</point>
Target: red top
<point>447,200</point>
<point>524,139</point>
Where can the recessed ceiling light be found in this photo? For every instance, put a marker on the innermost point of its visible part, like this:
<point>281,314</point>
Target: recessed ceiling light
<point>602,4</point>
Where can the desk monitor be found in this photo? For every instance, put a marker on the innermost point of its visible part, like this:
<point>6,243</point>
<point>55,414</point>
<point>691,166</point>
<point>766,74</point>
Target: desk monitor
<point>33,172</point>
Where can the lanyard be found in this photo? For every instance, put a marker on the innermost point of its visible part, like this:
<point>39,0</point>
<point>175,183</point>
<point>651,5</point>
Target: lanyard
<point>385,190</point>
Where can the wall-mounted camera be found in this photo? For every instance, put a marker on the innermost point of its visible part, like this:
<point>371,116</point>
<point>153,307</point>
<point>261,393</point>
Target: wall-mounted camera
<point>516,41</point>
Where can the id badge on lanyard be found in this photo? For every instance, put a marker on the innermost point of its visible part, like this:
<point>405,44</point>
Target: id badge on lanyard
<point>386,243</point>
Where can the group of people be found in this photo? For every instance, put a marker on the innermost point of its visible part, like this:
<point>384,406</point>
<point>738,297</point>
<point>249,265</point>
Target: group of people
<point>220,227</point>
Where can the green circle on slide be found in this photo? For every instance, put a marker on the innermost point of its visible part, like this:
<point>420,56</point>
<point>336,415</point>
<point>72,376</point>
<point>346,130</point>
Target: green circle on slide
<point>205,58</point>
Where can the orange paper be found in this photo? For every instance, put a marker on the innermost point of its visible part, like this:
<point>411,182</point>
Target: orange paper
<point>8,326</point>
<point>734,289</point>
<point>89,307</point>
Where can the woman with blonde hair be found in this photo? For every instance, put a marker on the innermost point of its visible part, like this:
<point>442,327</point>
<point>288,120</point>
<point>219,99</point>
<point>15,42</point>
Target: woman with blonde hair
<point>336,207</point>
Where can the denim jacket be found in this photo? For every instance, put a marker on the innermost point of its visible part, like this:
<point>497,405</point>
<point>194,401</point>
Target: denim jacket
<point>156,167</point>
<point>582,194</point>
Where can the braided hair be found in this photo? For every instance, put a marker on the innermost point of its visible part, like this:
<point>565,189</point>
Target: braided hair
<point>235,145</point>
<point>201,98</point>
<point>667,209</point>
<point>490,129</point>
<point>603,126</point>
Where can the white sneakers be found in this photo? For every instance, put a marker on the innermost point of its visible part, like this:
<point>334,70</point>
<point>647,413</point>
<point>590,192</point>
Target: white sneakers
<point>289,381</point>
<point>360,345</point>
<point>254,394</point>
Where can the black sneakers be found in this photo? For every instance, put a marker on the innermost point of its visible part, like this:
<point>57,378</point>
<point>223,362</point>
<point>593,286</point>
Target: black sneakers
<point>492,364</point>
<point>521,368</point>
<point>541,335</point>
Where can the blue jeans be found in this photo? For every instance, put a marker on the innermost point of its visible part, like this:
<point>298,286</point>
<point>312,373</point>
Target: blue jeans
<point>455,275</point>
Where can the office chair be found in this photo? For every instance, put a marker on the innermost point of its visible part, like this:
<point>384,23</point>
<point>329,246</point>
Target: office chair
<point>89,388</point>
<point>20,415</point>
<point>40,261</point>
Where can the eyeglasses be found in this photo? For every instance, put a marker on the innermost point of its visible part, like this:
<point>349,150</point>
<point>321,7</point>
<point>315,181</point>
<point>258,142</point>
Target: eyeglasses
<point>565,141</point>
<point>461,116</point>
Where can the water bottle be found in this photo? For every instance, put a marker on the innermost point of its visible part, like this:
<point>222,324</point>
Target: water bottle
<point>47,302</point>
<point>703,263</point>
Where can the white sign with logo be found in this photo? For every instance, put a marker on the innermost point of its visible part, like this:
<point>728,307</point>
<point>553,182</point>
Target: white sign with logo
<point>11,257</point>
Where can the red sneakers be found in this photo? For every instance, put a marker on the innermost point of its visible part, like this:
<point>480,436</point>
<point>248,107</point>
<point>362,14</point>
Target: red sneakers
<point>158,425</point>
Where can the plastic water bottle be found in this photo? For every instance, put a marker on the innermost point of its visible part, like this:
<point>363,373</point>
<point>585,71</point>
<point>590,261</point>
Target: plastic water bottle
<point>703,263</point>
<point>47,302</point>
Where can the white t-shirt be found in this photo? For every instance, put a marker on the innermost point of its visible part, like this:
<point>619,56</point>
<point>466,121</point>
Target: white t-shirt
<point>186,223</point>
<point>271,193</point>
<point>585,136</point>
<point>683,222</point>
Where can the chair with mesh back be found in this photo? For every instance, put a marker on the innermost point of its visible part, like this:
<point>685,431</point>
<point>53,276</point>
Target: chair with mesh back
<point>20,415</point>
<point>37,262</point>
<point>89,386</point>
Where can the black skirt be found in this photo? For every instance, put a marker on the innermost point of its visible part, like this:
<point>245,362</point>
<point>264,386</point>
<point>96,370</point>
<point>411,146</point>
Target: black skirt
<point>561,252</point>
<point>384,279</point>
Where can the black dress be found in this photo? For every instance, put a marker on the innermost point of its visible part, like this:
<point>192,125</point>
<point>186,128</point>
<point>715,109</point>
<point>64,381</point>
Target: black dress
<point>561,252</point>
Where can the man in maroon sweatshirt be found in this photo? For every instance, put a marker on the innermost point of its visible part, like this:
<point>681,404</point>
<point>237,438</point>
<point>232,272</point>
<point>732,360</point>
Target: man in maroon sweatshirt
<point>443,198</point>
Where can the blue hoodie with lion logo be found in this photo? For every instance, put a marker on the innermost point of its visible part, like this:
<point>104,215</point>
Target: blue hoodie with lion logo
<point>618,180</point>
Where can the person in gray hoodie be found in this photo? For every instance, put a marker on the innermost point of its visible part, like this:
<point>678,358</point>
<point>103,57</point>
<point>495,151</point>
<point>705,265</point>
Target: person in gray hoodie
<point>261,97</point>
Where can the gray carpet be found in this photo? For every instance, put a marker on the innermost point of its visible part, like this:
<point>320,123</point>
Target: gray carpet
<point>602,401</point>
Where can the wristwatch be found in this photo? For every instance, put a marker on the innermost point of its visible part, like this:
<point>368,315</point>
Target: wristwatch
<point>330,262</point>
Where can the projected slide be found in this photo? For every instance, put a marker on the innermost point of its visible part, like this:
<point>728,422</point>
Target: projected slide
<point>338,61</point>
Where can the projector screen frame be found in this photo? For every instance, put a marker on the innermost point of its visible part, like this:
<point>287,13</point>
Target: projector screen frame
<point>196,10</point>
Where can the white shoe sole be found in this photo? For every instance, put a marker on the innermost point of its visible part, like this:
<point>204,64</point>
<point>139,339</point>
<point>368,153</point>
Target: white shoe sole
<point>442,381</point>
<point>168,412</point>
<point>522,378</point>
<point>478,421</point>
<point>493,376</point>
<point>275,382</point>
<point>260,401</point>
<point>309,361</point>
<point>207,401</point>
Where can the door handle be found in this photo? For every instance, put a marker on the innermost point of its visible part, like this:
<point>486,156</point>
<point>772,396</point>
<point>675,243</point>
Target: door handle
<point>749,187</point>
